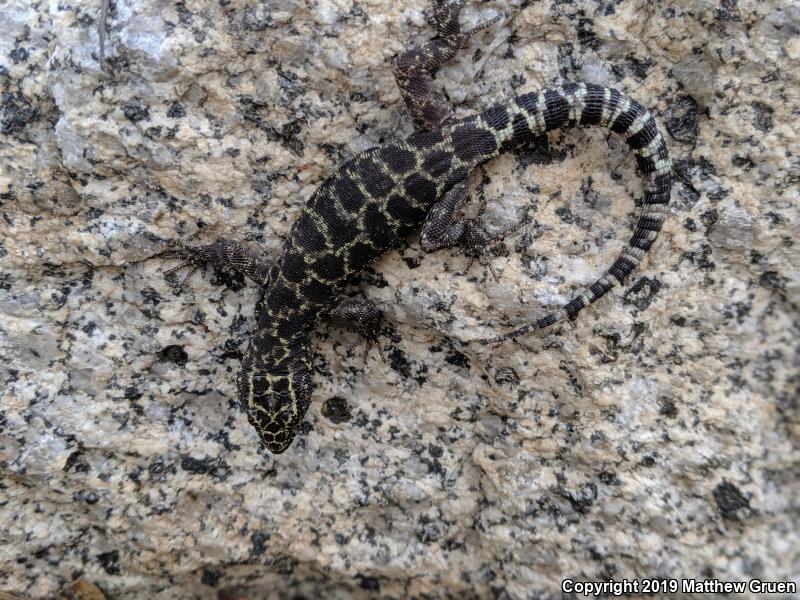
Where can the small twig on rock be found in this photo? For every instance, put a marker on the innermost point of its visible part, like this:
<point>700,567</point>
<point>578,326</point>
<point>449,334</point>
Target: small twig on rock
<point>101,30</point>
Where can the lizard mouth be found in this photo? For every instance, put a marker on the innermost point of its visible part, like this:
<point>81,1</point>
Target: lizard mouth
<point>275,437</point>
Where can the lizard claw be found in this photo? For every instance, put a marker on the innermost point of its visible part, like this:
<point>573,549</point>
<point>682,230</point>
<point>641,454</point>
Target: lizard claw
<point>369,342</point>
<point>477,243</point>
<point>483,258</point>
<point>365,318</point>
<point>190,257</point>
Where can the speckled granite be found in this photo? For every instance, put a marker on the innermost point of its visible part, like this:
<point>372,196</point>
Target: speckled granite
<point>657,436</point>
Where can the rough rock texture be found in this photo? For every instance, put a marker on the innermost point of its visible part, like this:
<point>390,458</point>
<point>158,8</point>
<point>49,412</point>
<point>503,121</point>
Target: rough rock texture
<point>655,437</point>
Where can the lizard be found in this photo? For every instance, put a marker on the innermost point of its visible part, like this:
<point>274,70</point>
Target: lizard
<point>380,196</point>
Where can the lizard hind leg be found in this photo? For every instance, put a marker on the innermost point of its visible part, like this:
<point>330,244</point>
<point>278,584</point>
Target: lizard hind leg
<point>416,68</point>
<point>444,228</point>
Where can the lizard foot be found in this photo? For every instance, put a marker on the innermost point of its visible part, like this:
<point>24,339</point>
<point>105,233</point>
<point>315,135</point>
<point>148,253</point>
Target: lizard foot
<point>477,244</point>
<point>191,257</point>
<point>365,318</point>
<point>444,18</point>
<point>223,252</point>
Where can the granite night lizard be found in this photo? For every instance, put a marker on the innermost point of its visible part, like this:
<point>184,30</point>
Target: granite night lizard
<point>380,196</point>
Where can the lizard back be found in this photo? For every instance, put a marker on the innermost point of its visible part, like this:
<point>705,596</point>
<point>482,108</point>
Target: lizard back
<point>380,196</point>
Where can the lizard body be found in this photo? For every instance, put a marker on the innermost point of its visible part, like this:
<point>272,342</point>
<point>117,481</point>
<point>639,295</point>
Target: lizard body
<point>381,195</point>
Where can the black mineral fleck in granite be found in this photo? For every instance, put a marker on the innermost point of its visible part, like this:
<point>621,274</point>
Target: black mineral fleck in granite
<point>731,502</point>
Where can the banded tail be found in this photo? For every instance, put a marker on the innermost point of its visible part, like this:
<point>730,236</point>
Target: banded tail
<point>571,105</point>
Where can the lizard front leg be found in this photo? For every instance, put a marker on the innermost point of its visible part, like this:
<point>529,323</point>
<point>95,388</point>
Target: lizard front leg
<point>365,318</point>
<point>223,252</point>
<point>415,69</point>
<point>444,228</point>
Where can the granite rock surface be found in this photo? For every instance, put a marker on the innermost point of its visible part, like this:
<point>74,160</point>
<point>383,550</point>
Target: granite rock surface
<point>657,436</point>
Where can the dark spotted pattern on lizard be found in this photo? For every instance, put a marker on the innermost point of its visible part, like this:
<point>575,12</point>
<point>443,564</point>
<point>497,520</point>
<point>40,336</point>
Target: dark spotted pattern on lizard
<point>383,194</point>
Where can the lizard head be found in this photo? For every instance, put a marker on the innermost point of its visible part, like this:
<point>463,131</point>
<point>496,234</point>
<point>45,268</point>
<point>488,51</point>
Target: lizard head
<point>275,403</point>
